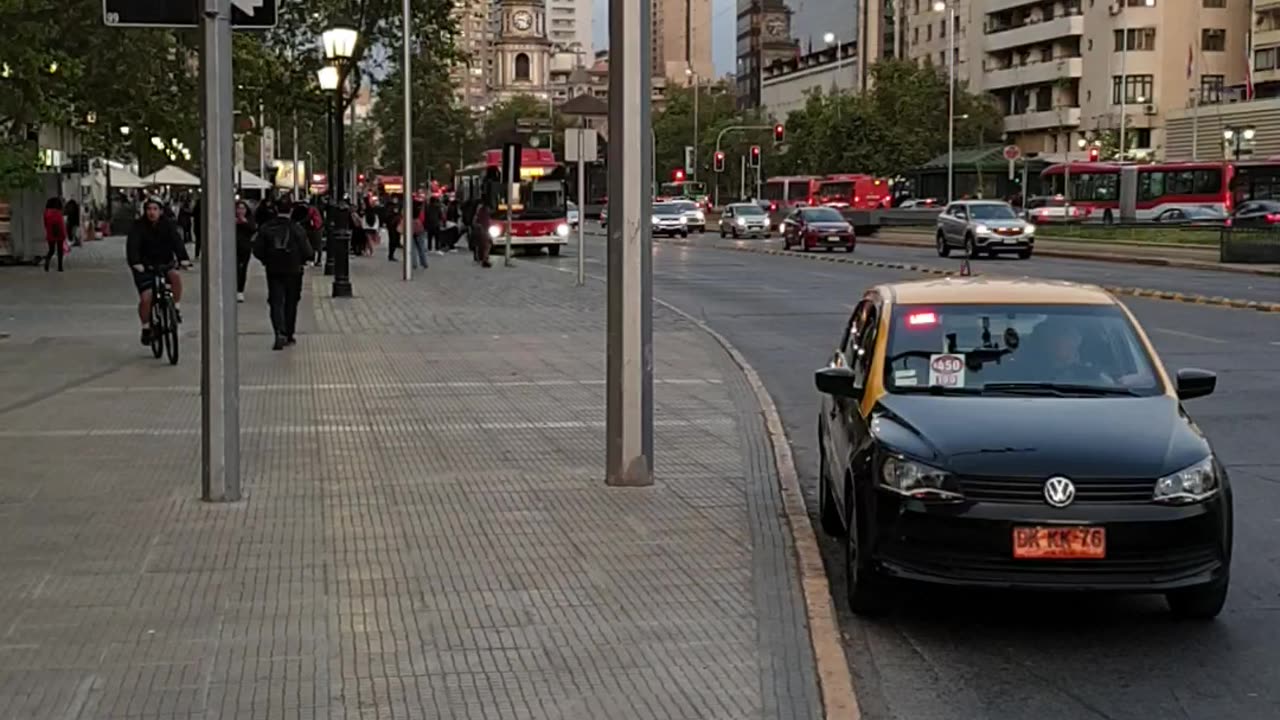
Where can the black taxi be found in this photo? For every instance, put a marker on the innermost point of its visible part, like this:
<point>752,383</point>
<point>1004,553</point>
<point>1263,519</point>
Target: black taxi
<point>1017,434</point>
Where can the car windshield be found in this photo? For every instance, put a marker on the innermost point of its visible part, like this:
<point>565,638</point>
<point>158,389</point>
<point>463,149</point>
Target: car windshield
<point>1088,350</point>
<point>822,215</point>
<point>687,207</point>
<point>666,209</point>
<point>991,211</point>
<point>748,210</point>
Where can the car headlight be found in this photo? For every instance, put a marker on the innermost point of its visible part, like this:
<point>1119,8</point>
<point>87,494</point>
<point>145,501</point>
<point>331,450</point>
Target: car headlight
<point>919,481</point>
<point>982,229</point>
<point>1190,485</point>
<point>1029,228</point>
<point>562,230</point>
<point>495,231</point>
<point>742,221</point>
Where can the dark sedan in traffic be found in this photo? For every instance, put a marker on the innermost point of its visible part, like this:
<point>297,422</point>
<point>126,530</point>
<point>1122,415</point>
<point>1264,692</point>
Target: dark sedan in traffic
<point>1017,434</point>
<point>810,228</point>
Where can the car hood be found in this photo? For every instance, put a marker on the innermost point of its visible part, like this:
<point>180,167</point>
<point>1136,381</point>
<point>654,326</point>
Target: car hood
<point>1126,437</point>
<point>822,227</point>
<point>1014,223</point>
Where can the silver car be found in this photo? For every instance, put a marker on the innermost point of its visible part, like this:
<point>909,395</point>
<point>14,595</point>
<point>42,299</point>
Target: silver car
<point>693,215</point>
<point>744,220</point>
<point>573,215</point>
<point>668,219</point>
<point>984,227</point>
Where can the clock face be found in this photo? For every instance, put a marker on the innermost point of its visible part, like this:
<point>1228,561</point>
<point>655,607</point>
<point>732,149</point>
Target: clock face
<point>522,20</point>
<point>776,28</point>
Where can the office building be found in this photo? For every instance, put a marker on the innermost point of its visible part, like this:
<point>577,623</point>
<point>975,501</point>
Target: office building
<point>569,30</point>
<point>471,78</point>
<point>681,40</point>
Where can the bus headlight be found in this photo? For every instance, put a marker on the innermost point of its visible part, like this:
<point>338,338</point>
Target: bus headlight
<point>562,230</point>
<point>495,231</point>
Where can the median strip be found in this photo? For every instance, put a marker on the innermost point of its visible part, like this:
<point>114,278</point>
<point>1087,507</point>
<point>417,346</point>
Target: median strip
<point>1148,293</point>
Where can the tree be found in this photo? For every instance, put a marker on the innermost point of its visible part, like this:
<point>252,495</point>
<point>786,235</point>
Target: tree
<point>673,131</point>
<point>501,122</point>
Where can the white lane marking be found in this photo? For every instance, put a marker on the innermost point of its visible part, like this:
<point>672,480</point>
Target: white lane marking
<point>1191,336</point>
<point>285,387</point>
<point>389,428</point>
<point>1276,343</point>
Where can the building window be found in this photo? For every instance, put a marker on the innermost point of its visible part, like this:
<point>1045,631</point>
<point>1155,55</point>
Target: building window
<point>1142,138</point>
<point>1143,39</point>
<point>928,32</point>
<point>522,67</point>
<point>1264,59</point>
<point>1211,89</point>
<point>1137,88</point>
<point>1215,3</point>
<point>1139,3</point>
<point>942,28</point>
<point>942,59</point>
<point>1213,40</point>
<point>915,36</point>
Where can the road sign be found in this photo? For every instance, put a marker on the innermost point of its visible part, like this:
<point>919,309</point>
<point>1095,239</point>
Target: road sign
<point>269,144</point>
<point>688,159</point>
<point>584,138</point>
<point>245,14</point>
<point>1012,152</point>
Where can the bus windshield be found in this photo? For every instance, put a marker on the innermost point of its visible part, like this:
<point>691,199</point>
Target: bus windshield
<point>537,200</point>
<point>687,189</point>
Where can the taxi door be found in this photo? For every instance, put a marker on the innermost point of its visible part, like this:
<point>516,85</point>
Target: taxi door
<point>848,432</point>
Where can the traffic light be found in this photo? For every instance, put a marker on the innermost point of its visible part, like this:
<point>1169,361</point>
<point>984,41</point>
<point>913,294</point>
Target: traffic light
<point>677,175</point>
<point>778,133</point>
<point>755,156</point>
<point>1093,153</point>
<point>719,161</point>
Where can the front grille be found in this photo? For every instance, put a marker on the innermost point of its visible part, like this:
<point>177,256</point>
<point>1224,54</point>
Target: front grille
<point>1031,490</point>
<point>1149,566</point>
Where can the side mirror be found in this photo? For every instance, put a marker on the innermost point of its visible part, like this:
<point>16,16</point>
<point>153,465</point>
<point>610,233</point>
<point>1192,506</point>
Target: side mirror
<point>1194,383</point>
<point>837,382</point>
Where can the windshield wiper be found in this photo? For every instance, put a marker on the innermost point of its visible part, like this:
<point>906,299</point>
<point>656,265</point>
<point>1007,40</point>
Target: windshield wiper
<point>935,390</point>
<point>1056,389</point>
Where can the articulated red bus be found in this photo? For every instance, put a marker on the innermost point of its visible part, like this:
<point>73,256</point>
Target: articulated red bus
<point>854,191</point>
<point>1112,191</point>
<point>787,192</point>
<point>539,209</point>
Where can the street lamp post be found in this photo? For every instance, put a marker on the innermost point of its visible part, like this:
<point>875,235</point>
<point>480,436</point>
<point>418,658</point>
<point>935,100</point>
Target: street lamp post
<point>339,47</point>
<point>693,168</point>
<point>950,9</point>
<point>831,41</point>
<point>1236,137</point>
<point>328,77</point>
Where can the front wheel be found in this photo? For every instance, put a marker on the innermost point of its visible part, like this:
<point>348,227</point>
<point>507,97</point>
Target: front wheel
<point>1024,254</point>
<point>866,589</point>
<point>553,250</point>
<point>849,248</point>
<point>722,234</point>
<point>971,247</point>
<point>944,250</point>
<point>158,330</point>
<point>171,334</point>
<point>1199,603</point>
<point>684,233</point>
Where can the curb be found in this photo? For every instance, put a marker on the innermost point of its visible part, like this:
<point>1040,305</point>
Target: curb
<point>835,681</point>
<point>1147,293</point>
<point>1106,257</point>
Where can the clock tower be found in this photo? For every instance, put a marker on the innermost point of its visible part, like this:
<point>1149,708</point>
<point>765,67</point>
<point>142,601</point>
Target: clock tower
<point>522,52</point>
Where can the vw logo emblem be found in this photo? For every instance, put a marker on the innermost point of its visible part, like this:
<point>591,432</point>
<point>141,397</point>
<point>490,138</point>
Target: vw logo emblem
<point>1059,491</point>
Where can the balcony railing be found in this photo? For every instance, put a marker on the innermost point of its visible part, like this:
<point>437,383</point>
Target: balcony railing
<point>1032,33</point>
<point>1037,73</point>
<point>1042,119</point>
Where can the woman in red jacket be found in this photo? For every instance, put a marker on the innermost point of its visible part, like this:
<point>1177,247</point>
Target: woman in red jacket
<point>55,231</point>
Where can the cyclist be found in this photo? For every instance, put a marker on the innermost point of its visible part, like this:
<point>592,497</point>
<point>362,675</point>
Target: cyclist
<point>155,242</point>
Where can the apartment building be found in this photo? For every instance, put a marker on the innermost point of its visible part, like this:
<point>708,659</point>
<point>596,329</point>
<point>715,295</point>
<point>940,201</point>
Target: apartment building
<point>1066,70</point>
<point>681,40</point>
<point>1266,48</point>
<point>471,79</point>
<point>569,30</point>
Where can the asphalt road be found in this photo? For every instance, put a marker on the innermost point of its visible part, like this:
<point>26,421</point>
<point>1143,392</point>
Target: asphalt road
<point>952,654</point>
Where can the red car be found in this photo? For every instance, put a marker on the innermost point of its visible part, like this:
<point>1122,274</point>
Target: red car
<point>810,228</point>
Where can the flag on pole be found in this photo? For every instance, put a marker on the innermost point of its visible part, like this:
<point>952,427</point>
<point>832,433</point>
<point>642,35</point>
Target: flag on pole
<point>1248,68</point>
<point>1191,60</point>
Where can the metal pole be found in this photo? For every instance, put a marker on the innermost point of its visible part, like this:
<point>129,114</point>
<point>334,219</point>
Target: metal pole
<point>693,170</point>
<point>629,375</point>
<point>342,211</point>
<point>295,155</point>
<point>582,199</point>
<point>951,102</point>
<point>653,163</point>
<point>513,185</point>
<point>1025,191</point>
<point>219,356</point>
<point>262,143</point>
<point>1195,125</point>
<point>742,178</point>
<point>1124,82</point>
<point>330,174</point>
<point>406,210</point>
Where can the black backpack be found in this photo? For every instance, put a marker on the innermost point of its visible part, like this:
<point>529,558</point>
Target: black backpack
<point>280,240</point>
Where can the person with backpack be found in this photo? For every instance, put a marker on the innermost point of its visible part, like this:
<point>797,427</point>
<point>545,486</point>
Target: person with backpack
<point>284,250</point>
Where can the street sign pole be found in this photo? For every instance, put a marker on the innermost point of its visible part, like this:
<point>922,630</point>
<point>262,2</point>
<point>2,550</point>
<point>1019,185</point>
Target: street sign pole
<point>406,209</point>
<point>629,373</point>
<point>582,193</point>
<point>219,367</point>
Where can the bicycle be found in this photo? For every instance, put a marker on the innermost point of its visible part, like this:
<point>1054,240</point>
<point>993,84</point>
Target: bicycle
<point>164,316</point>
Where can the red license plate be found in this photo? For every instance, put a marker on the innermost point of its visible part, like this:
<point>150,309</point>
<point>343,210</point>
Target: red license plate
<point>1060,543</point>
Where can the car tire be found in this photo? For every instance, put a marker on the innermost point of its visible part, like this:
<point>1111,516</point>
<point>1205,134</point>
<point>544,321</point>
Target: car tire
<point>1108,218</point>
<point>828,516</point>
<point>1199,603</point>
<point>865,589</point>
<point>553,250</point>
<point>722,234</point>
<point>849,248</point>
<point>971,247</point>
<point>944,250</point>
<point>684,233</point>
<point>736,234</point>
<point>1024,254</point>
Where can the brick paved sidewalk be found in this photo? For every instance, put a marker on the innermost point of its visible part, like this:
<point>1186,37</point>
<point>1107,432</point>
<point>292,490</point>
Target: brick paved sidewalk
<point>426,532</point>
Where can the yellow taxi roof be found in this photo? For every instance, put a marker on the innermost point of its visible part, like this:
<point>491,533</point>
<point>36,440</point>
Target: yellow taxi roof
<point>981,290</point>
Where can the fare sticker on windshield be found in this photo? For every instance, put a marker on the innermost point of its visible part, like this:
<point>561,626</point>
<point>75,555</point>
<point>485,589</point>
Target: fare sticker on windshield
<point>946,370</point>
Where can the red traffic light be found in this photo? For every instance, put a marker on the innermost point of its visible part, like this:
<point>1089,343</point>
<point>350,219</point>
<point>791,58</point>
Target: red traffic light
<point>677,174</point>
<point>719,161</point>
<point>755,152</point>
<point>778,132</point>
<point>1093,154</point>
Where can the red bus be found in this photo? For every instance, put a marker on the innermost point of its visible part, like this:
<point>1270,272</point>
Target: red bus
<point>854,191</point>
<point>787,192</point>
<point>539,208</point>
<point>1112,191</point>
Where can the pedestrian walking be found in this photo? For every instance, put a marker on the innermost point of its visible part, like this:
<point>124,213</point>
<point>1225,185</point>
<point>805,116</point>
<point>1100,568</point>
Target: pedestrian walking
<point>420,236</point>
<point>394,218</point>
<point>433,222</point>
<point>481,242</point>
<point>282,246</point>
<point>245,230</point>
<point>196,230</point>
<point>71,213</point>
<point>316,232</point>
<point>55,232</point>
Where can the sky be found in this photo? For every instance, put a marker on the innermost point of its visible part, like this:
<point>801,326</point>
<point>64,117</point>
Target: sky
<point>723,17</point>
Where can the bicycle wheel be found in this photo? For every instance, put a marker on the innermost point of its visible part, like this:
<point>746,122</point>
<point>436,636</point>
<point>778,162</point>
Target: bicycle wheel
<point>157,328</point>
<point>171,333</point>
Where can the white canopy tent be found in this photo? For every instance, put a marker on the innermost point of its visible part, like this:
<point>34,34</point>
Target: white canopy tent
<point>170,175</point>
<point>246,180</point>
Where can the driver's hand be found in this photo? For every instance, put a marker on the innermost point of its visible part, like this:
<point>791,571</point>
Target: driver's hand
<point>138,268</point>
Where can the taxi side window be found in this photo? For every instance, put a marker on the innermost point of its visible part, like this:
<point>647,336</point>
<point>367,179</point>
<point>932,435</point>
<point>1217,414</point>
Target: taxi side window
<point>857,346</point>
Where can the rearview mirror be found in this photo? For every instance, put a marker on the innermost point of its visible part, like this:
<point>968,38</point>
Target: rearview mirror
<point>837,381</point>
<point>1194,383</point>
